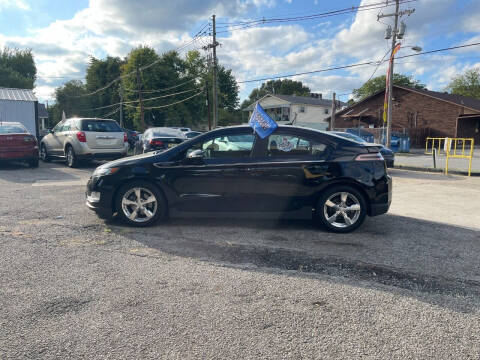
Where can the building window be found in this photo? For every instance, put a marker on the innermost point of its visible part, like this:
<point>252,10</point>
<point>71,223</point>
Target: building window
<point>302,108</point>
<point>326,111</point>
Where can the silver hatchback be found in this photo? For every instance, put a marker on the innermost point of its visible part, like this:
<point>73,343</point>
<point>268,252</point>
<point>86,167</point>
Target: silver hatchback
<point>79,139</point>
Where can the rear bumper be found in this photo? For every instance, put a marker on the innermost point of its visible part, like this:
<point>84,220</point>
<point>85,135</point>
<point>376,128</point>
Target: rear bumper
<point>101,156</point>
<point>19,155</point>
<point>383,202</point>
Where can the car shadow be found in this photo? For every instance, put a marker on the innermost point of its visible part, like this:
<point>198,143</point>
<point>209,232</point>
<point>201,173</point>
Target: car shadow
<point>398,252</point>
<point>54,171</point>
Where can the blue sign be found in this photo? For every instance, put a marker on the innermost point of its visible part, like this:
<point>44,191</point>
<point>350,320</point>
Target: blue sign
<point>261,123</point>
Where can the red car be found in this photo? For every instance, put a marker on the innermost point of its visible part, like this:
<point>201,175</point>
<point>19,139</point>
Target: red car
<point>17,144</point>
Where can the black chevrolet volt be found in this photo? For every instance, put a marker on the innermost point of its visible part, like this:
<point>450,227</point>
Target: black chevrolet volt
<point>294,171</point>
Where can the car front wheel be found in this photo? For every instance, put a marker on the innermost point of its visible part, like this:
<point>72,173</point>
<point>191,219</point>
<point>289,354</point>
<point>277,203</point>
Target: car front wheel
<point>341,209</point>
<point>140,203</point>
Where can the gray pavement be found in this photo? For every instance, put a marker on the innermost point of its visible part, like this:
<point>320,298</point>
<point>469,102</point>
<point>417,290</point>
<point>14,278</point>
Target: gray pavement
<point>417,158</point>
<point>406,285</point>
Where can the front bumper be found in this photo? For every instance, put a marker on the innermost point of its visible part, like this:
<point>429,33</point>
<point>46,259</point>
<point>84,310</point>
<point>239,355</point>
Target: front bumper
<point>103,203</point>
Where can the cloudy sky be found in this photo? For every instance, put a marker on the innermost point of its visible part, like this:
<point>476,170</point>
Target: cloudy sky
<point>64,34</point>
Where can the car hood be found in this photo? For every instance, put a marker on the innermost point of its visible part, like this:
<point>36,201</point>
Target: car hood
<point>136,159</point>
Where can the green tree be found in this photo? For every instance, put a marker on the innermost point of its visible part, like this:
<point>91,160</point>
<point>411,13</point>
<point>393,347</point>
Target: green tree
<point>101,72</point>
<point>17,68</point>
<point>70,98</point>
<point>281,86</point>
<point>466,84</point>
<point>377,84</point>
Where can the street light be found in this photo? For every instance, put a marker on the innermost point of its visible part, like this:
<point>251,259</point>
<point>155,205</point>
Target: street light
<point>387,106</point>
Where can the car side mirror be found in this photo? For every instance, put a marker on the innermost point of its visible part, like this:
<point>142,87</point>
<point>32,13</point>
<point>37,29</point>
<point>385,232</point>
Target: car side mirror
<point>196,154</point>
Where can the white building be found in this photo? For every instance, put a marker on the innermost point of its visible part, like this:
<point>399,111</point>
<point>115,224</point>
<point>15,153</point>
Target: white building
<point>19,105</point>
<point>308,111</point>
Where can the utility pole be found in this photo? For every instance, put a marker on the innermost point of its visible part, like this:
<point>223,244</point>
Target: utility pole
<point>121,104</point>
<point>334,109</point>
<point>394,34</point>
<point>215,85</point>
<point>208,108</point>
<point>140,99</point>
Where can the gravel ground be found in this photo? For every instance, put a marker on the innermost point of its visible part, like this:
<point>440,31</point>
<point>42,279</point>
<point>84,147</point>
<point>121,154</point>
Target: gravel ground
<point>404,286</point>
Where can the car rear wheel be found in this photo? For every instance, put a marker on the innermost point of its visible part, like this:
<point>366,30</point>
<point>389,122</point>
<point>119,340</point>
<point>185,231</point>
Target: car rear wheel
<point>44,154</point>
<point>140,203</point>
<point>71,157</point>
<point>341,209</point>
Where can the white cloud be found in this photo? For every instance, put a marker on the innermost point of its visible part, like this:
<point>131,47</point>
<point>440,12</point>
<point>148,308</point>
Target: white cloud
<point>19,4</point>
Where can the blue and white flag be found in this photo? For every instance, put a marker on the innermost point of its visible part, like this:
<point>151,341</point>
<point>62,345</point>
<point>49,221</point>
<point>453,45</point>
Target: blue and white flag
<point>261,123</point>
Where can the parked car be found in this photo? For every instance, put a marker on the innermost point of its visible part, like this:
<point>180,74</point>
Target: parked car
<point>17,144</point>
<point>183,129</point>
<point>192,134</point>
<point>387,154</point>
<point>292,170</point>
<point>132,137</point>
<point>79,139</point>
<point>161,138</point>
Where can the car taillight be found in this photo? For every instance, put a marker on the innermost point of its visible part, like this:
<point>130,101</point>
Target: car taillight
<point>81,136</point>
<point>156,142</point>
<point>125,137</point>
<point>369,157</point>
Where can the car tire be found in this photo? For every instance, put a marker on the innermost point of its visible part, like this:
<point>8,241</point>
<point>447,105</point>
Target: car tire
<point>131,209</point>
<point>44,153</point>
<point>332,209</point>
<point>33,163</point>
<point>72,160</point>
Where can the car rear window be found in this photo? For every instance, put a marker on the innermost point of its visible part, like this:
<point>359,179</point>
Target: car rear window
<point>12,129</point>
<point>100,126</point>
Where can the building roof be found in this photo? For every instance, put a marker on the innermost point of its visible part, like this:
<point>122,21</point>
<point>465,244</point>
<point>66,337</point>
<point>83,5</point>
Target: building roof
<point>295,99</point>
<point>42,111</point>
<point>464,101</point>
<point>17,94</point>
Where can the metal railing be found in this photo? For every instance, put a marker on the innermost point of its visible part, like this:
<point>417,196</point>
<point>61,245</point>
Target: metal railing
<point>434,143</point>
<point>453,145</point>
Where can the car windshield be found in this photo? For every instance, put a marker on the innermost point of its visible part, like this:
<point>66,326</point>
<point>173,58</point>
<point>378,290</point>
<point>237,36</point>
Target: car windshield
<point>12,129</point>
<point>100,126</point>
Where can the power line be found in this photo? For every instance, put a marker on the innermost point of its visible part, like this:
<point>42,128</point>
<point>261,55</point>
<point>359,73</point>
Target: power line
<point>356,65</point>
<point>164,106</point>
<point>161,90</point>
<point>259,22</point>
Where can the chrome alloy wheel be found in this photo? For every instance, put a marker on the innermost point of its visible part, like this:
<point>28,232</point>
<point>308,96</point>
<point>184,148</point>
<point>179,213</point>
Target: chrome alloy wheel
<point>342,209</point>
<point>43,153</point>
<point>139,204</point>
<point>70,157</point>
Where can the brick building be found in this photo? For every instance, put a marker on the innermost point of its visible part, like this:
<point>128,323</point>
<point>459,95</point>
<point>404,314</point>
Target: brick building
<point>420,113</point>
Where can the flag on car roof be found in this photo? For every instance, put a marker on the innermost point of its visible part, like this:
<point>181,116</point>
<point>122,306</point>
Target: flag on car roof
<point>261,123</point>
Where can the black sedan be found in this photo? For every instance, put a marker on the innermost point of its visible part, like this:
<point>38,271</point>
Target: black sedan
<point>231,170</point>
<point>161,138</point>
<point>387,154</point>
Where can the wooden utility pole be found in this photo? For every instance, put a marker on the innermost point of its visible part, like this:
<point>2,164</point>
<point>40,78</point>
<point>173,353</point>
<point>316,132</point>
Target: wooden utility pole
<point>334,109</point>
<point>121,104</point>
<point>215,85</point>
<point>208,108</point>
<point>140,99</point>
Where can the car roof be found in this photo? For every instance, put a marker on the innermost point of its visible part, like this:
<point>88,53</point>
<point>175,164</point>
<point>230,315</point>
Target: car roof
<point>166,130</point>
<point>11,123</point>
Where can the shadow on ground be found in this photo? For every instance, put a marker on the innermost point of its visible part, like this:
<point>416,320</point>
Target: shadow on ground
<point>397,251</point>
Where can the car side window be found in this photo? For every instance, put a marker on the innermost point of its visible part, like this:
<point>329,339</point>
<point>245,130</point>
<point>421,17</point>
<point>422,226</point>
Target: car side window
<point>58,127</point>
<point>285,145</point>
<point>66,126</point>
<point>225,146</point>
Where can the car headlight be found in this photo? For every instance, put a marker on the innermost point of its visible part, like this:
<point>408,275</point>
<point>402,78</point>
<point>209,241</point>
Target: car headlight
<point>102,171</point>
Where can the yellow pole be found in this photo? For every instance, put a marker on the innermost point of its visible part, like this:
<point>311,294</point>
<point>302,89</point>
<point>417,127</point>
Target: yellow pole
<point>447,153</point>
<point>455,148</point>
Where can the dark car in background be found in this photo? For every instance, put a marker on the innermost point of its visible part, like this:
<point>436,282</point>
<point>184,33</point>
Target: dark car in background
<point>132,137</point>
<point>17,144</point>
<point>387,154</point>
<point>161,138</point>
<point>192,134</point>
<point>232,171</point>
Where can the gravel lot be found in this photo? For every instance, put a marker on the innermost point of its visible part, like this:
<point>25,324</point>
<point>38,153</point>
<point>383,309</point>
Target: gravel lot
<point>404,286</point>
